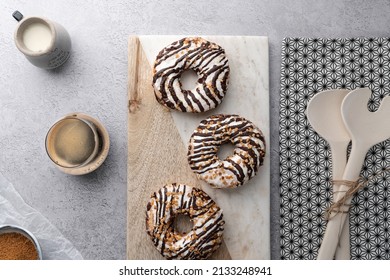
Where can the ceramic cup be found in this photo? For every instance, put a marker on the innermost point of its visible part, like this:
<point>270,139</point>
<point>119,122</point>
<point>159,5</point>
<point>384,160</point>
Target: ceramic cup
<point>72,142</point>
<point>45,43</point>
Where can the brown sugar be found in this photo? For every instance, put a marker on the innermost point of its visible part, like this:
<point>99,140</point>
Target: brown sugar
<point>16,246</point>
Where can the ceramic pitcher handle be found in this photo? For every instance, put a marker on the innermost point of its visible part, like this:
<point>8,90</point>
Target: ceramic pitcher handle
<point>17,15</point>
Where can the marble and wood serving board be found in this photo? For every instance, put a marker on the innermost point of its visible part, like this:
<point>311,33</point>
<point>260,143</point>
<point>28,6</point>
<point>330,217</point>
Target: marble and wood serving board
<point>310,65</point>
<point>157,146</point>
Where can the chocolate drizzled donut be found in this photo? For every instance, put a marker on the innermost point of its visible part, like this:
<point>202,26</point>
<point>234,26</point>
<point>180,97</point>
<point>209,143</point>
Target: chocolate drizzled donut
<point>236,169</point>
<point>206,234</point>
<point>209,62</point>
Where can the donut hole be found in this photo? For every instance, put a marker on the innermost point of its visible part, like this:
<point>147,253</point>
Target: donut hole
<point>225,150</point>
<point>182,223</point>
<point>189,79</point>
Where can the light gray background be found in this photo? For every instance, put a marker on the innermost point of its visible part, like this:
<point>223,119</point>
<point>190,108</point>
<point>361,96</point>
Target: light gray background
<point>91,210</point>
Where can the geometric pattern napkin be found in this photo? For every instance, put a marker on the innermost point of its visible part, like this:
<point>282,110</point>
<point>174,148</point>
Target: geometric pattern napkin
<point>311,65</point>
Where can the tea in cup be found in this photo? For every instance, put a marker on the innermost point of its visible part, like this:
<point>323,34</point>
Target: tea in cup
<point>72,142</point>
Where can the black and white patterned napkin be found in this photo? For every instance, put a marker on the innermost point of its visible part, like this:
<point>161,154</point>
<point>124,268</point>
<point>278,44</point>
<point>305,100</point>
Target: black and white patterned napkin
<point>310,66</point>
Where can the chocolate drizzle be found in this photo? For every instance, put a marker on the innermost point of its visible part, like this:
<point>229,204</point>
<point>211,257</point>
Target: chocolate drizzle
<point>236,169</point>
<point>207,59</point>
<point>206,234</point>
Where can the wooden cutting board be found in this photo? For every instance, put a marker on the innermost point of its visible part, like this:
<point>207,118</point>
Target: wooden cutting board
<point>157,146</point>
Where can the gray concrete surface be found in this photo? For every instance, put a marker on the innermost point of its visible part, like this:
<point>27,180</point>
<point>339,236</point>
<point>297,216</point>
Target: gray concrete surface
<point>91,210</point>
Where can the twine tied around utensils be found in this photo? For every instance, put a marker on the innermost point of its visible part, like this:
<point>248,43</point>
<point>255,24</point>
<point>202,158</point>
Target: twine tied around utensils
<point>353,187</point>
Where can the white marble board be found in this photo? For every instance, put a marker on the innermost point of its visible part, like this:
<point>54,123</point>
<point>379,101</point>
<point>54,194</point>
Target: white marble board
<point>246,209</point>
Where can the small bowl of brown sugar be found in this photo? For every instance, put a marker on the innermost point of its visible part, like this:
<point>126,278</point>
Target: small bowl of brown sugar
<point>17,243</point>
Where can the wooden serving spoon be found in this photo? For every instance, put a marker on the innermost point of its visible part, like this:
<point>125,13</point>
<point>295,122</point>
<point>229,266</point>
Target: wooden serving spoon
<point>366,129</point>
<point>324,115</point>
